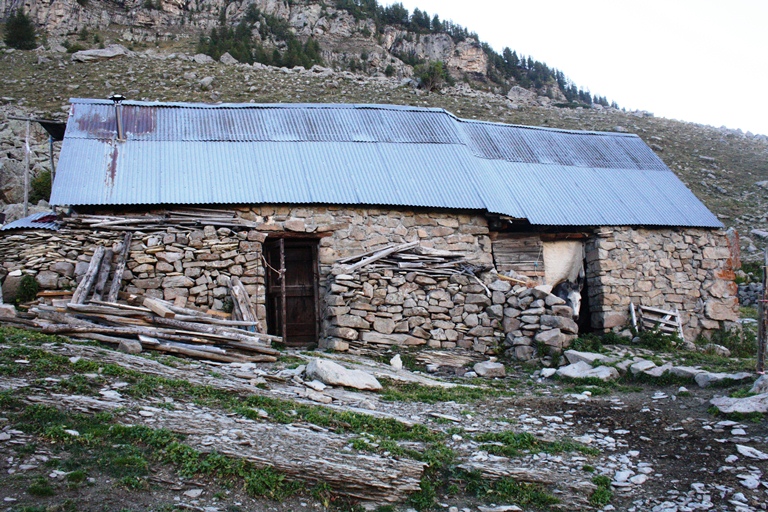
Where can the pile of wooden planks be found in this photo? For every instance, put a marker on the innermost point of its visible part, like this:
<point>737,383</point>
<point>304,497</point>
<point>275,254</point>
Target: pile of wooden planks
<point>645,318</point>
<point>409,257</point>
<point>158,220</point>
<point>99,269</point>
<point>157,325</point>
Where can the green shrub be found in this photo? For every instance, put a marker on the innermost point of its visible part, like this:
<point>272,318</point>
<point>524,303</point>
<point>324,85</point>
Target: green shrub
<point>658,341</point>
<point>40,187</point>
<point>389,71</point>
<point>28,289</point>
<point>20,31</point>
<point>741,344</point>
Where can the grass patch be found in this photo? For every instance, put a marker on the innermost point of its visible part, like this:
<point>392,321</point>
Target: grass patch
<point>754,417</point>
<point>514,444</point>
<point>715,363</point>
<point>126,452</point>
<point>603,494</point>
<point>509,490</point>
<point>395,391</point>
<point>740,344</point>
<point>40,488</point>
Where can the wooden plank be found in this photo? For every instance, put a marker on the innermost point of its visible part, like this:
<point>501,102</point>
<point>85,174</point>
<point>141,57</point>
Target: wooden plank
<point>101,281</point>
<point>379,255</point>
<point>158,308</point>
<point>117,280</point>
<point>90,276</point>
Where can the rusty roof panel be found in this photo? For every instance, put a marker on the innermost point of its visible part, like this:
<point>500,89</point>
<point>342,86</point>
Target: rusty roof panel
<point>365,154</point>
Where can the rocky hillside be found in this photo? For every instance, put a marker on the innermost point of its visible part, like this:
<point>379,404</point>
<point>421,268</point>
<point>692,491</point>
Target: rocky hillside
<point>727,169</point>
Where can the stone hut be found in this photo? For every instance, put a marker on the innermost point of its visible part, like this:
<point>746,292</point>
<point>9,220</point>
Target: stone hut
<point>292,199</point>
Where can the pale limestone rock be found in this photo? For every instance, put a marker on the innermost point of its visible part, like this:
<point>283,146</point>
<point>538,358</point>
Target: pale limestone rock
<point>582,370</point>
<point>590,358</point>
<point>110,52</point>
<point>760,386</point>
<point>334,374</point>
<point>705,379</point>
<point>490,369</point>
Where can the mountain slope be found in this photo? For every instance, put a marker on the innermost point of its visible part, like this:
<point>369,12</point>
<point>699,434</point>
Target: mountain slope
<point>721,166</point>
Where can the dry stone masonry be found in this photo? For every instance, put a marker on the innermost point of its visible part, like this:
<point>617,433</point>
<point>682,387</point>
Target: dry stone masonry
<point>690,269</point>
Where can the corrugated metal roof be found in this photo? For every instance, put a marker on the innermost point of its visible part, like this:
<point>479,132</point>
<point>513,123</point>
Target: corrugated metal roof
<point>178,153</point>
<point>42,220</point>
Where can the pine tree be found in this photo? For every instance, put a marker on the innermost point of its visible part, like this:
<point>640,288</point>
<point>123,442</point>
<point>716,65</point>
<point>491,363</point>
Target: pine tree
<point>20,31</point>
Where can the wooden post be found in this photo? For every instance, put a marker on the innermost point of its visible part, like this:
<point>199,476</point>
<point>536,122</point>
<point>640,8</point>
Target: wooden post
<point>81,293</point>
<point>26,172</point>
<point>283,306</point>
<point>50,157</point>
<point>762,320</point>
<point>101,281</point>
<point>114,289</point>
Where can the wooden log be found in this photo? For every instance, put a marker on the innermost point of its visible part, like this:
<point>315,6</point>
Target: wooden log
<point>243,301</point>
<point>379,255</point>
<point>118,305</point>
<point>158,308</point>
<point>90,276</point>
<point>102,310</point>
<point>101,281</point>
<point>235,334</point>
<point>119,269</point>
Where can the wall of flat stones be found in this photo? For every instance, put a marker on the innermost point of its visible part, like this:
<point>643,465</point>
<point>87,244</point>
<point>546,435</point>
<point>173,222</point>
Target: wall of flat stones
<point>170,264</point>
<point>377,310</point>
<point>688,269</point>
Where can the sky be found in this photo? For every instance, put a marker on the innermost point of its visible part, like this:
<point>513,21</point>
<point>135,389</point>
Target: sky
<point>702,61</point>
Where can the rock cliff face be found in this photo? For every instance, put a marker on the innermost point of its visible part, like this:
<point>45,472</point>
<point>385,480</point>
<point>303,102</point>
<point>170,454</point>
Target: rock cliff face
<point>341,35</point>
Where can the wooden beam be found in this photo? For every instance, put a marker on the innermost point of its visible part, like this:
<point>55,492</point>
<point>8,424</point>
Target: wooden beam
<point>114,289</point>
<point>158,308</point>
<point>90,276</point>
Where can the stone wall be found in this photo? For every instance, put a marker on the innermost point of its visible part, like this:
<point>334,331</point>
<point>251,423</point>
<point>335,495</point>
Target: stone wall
<point>377,310</point>
<point>170,264</point>
<point>688,269</point>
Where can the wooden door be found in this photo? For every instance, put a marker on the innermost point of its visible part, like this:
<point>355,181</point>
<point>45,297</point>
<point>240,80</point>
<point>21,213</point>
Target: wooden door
<point>292,302</point>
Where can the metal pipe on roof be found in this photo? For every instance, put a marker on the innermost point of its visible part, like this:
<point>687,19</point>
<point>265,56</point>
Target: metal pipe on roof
<point>118,100</point>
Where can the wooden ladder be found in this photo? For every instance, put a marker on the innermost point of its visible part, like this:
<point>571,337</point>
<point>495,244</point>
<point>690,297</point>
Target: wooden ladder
<point>648,318</point>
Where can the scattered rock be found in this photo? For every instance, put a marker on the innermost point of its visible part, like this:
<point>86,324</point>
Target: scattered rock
<point>750,452</point>
<point>227,59</point>
<point>590,358</point>
<point>110,52</point>
<point>761,384</point>
<point>490,369</point>
<point>750,404</point>
<point>706,379</point>
<point>334,374</point>
<point>582,370</point>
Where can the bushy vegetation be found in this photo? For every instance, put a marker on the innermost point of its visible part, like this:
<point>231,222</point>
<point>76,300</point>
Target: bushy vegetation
<point>40,187</point>
<point>20,31</point>
<point>238,41</point>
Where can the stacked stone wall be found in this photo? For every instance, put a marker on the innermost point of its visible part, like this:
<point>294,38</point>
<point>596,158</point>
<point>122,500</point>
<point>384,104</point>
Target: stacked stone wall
<point>377,310</point>
<point>170,264</point>
<point>688,269</point>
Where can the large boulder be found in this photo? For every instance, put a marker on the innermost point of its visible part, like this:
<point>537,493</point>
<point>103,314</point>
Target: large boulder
<point>334,374</point>
<point>750,404</point>
<point>489,369</point>
<point>112,51</point>
<point>582,370</point>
